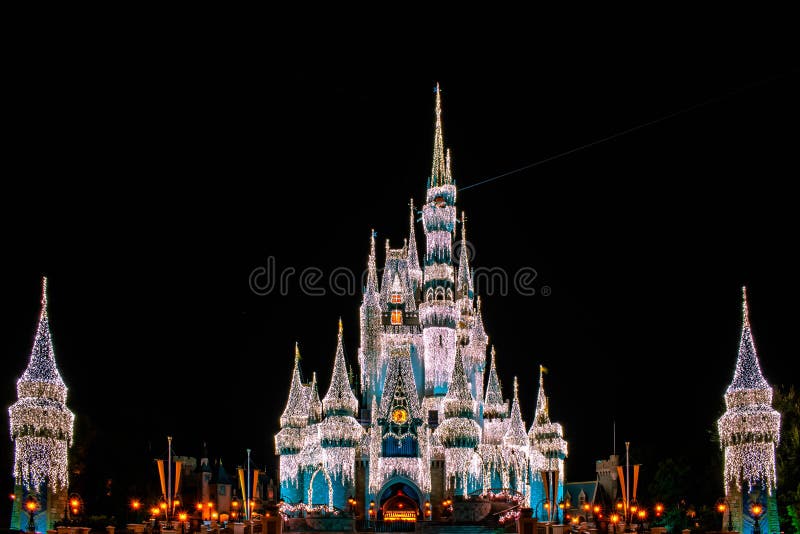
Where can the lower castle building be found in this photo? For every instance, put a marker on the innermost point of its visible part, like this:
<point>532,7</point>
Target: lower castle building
<point>421,426</point>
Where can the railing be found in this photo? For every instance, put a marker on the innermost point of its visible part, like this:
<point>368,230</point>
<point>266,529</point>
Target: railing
<point>365,525</point>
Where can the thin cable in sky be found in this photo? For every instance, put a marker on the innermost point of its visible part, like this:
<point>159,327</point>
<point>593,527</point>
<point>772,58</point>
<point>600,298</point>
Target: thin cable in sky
<point>623,132</point>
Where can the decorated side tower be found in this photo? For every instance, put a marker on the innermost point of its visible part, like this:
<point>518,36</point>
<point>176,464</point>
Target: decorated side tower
<point>428,428</point>
<point>41,428</point>
<point>749,431</point>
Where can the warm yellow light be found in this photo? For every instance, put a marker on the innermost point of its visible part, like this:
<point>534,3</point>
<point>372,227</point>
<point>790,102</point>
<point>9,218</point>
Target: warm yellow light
<point>586,507</point>
<point>614,518</point>
<point>30,505</point>
<point>74,511</point>
<point>235,504</point>
<point>154,510</point>
<point>200,505</point>
<point>547,506</point>
<point>596,509</point>
<point>136,505</point>
<point>619,506</point>
<point>574,520</point>
<point>634,508</point>
<point>214,515</point>
<point>721,507</point>
<point>182,516</point>
<point>757,509</point>
<point>642,514</point>
<point>176,503</point>
<point>210,504</point>
<point>561,505</point>
<point>659,508</point>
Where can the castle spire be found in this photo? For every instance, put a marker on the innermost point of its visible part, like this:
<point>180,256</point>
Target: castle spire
<point>41,378</point>
<point>41,423</point>
<point>448,170</point>
<point>749,430</point>
<point>314,404</point>
<point>459,401</point>
<point>414,271</point>
<point>494,405</point>
<point>296,412</point>
<point>438,168</point>
<point>464,282</point>
<point>748,371</point>
<point>340,400</point>
<point>541,416</point>
<point>372,271</point>
<point>516,435</point>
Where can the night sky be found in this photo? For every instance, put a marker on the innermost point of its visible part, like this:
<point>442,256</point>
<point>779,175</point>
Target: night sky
<point>149,192</point>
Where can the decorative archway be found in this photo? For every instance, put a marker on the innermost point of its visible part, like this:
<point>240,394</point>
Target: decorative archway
<point>400,500</point>
<point>311,487</point>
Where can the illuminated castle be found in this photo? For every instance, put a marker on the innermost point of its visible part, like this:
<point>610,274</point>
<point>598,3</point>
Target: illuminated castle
<point>749,431</point>
<point>41,428</point>
<point>423,427</point>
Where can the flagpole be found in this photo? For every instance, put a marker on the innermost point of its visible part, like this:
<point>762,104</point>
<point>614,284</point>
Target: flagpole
<point>169,478</point>
<point>627,479</point>
<point>248,485</point>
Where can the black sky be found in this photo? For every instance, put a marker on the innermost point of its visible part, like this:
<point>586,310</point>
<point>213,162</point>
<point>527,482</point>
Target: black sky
<point>149,191</point>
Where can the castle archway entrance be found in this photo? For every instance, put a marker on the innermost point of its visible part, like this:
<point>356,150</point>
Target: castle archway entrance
<point>400,500</point>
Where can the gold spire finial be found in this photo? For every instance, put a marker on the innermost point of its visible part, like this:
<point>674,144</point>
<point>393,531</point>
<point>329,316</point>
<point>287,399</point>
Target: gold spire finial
<point>340,327</point>
<point>296,352</point>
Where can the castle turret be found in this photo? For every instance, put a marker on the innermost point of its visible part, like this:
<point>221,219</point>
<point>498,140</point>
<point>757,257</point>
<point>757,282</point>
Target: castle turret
<point>515,443</point>
<point>437,312</point>
<point>41,428</point>
<point>547,445</point>
<point>749,432</point>
<point>290,440</point>
<point>414,270</point>
<point>370,326</point>
<point>339,432</point>
<point>459,433</point>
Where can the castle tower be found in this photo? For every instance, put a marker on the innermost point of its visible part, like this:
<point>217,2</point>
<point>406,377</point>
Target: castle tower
<point>515,443</point>
<point>459,433</point>
<point>290,440</point>
<point>547,439</point>
<point>339,435</point>
<point>414,270</point>
<point>749,431</point>
<point>437,312</point>
<point>41,428</point>
<point>370,327</point>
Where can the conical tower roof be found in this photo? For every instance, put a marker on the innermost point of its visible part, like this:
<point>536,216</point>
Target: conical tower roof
<point>340,400</point>
<point>747,375</point>
<point>459,401</point>
<point>516,435</point>
<point>41,378</point>
<point>494,405</point>
<point>296,412</point>
<point>438,168</point>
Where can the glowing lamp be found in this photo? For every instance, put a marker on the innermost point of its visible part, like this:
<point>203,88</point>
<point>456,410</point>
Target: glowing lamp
<point>642,514</point>
<point>756,509</point>
<point>136,505</point>
<point>182,516</point>
<point>721,508</point>
<point>31,506</point>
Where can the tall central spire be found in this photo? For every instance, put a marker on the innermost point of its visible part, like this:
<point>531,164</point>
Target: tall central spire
<point>438,169</point>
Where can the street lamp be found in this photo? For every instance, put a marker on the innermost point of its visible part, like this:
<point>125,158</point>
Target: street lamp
<point>586,507</point>
<point>31,506</point>
<point>722,506</point>
<point>756,510</point>
<point>560,516</point>
<point>614,521</point>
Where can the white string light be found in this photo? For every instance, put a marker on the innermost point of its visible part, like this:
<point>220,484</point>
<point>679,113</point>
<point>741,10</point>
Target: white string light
<point>749,430</point>
<point>41,424</point>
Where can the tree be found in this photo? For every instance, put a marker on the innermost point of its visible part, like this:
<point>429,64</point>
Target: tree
<point>787,402</point>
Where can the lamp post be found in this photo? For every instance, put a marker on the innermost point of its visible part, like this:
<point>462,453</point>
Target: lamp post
<point>722,506</point>
<point>756,510</point>
<point>560,512</point>
<point>31,506</point>
<point>614,521</point>
<point>371,511</point>
<point>586,507</point>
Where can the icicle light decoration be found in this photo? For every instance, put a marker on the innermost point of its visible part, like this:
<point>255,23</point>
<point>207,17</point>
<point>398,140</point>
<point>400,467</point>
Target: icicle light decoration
<point>749,430</point>
<point>41,423</point>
